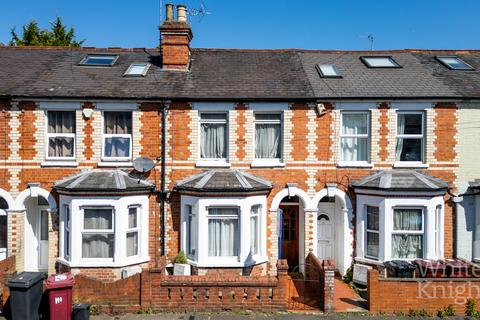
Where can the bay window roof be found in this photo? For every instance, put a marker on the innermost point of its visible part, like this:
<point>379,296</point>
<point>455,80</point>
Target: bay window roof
<point>103,182</point>
<point>401,180</point>
<point>224,180</point>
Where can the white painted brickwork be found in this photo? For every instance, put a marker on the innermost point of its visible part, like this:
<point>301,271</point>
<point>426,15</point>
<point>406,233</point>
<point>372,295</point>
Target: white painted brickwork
<point>232,136</point>
<point>136,133</point>
<point>79,136</point>
<point>374,135</point>
<point>392,134</point>
<point>40,133</point>
<point>97,135</point>
<point>430,135</point>
<point>335,128</point>
<point>249,136</point>
<point>288,136</point>
<point>194,136</point>
<point>312,135</point>
<point>14,134</point>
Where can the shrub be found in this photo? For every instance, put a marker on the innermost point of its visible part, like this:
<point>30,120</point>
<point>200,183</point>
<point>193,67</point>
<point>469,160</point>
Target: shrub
<point>446,312</point>
<point>180,258</point>
<point>419,313</point>
<point>470,309</point>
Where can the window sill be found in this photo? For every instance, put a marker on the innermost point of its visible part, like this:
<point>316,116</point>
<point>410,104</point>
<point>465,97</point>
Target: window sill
<point>410,164</point>
<point>212,163</point>
<point>115,164</point>
<point>52,163</point>
<point>98,263</point>
<point>267,164</point>
<point>354,164</point>
<point>369,261</point>
<point>214,263</point>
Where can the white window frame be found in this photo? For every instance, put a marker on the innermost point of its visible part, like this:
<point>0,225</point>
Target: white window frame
<point>190,213</point>
<point>438,231</point>
<point>360,163</point>
<point>268,162</point>
<point>84,231</point>
<point>256,215</point>
<point>65,135</point>
<point>200,207</point>
<point>213,162</point>
<point>400,163</point>
<point>367,231</point>
<point>67,231</point>
<point>136,229</point>
<point>110,135</point>
<point>226,217</point>
<point>410,232</point>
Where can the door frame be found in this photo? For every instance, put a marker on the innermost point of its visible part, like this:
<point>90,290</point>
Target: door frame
<point>300,231</point>
<point>41,208</point>
<point>331,206</point>
<point>34,264</point>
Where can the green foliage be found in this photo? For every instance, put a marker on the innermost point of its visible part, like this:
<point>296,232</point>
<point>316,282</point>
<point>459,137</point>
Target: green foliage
<point>470,309</point>
<point>95,309</point>
<point>348,277</point>
<point>32,35</point>
<point>146,311</point>
<point>180,258</point>
<point>419,313</point>
<point>446,312</point>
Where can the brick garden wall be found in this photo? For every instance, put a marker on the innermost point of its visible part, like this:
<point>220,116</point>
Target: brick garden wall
<point>393,295</point>
<point>322,274</point>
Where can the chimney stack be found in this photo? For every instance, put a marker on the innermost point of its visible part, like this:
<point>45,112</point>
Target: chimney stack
<point>175,39</point>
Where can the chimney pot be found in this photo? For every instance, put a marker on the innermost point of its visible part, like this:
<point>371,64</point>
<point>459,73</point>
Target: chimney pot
<point>169,9</point>
<point>181,13</point>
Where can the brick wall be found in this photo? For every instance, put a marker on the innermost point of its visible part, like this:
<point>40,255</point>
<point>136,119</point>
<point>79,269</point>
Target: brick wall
<point>322,276</point>
<point>402,295</point>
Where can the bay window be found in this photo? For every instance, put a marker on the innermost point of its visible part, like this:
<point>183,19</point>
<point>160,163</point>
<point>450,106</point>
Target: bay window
<point>408,233</point>
<point>268,136</point>
<point>410,136</point>
<point>355,136</point>
<point>372,232</point>
<point>117,135</point>
<point>61,135</point>
<point>213,135</point>
<point>66,232</point>
<point>98,235</point>
<point>223,233</point>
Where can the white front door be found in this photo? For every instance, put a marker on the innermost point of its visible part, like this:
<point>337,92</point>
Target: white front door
<point>325,232</point>
<point>42,236</point>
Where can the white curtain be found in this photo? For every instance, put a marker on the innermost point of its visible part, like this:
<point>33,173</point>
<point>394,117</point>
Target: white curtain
<point>372,244</point>
<point>132,244</point>
<point>61,122</point>
<point>101,244</point>
<point>354,149</point>
<point>267,141</point>
<point>223,232</point>
<point>407,246</point>
<point>117,147</point>
<point>213,144</point>
<point>118,122</point>
<point>400,130</point>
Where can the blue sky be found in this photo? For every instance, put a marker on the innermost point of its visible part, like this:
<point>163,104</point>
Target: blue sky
<point>322,24</point>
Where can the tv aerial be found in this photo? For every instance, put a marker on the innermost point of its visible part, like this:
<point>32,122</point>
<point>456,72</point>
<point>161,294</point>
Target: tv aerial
<point>143,164</point>
<point>199,12</point>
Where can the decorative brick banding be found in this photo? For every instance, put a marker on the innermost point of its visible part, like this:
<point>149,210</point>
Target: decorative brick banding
<point>241,131</point>
<point>383,132</point>
<point>88,132</point>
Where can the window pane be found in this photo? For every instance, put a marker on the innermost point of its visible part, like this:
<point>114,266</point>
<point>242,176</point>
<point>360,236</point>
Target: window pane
<point>222,237</point>
<point>117,122</point>
<point>409,123</point>
<point>407,246</point>
<point>98,219</point>
<point>380,62</point>
<point>328,70</point>
<point>268,141</point>
<point>223,211</point>
<point>192,234</point>
<point>213,141</point>
<point>132,244</point>
<point>372,218</point>
<point>407,219</point>
<point>102,60</point>
<point>60,146</point>
<point>61,121</point>
<point>372,244</point>
<point>66,247</point>
<point>132,217</point>
<point>213,116</point>
<point>354,123</point>
<point>43,225</point>
<point>455,63</point>
<point>268,116</point>
<point>99,245</point>
<point>117,147</point>
<point>354,149</point>
<point>409,149</point>
<point>254,235</point>
<point>3,231</point>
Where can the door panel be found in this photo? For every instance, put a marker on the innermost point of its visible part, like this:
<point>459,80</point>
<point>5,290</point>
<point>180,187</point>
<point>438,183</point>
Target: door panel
<point>290,235</point>
<point>325,233</point>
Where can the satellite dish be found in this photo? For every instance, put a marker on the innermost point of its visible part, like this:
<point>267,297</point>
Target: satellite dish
<point>143,164</point>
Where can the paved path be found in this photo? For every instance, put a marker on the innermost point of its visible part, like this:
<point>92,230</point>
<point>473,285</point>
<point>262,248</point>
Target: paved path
<point>346,299</point>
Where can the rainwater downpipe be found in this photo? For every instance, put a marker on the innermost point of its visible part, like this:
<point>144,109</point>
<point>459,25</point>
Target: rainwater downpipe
<point>163,195</point>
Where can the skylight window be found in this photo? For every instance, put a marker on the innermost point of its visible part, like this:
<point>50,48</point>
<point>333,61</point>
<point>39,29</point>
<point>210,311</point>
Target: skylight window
<point>327,71</point>
<point>137,69</point>
<point>100,60</point>
<point>379,62</point>
<point>454,63</point>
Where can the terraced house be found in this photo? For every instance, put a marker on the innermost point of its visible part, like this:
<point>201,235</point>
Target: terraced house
<point>355,157</point>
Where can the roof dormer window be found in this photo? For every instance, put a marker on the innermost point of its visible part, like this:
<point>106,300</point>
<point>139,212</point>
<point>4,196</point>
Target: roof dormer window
<point>379,62</point>
<point>454,63</point>
<point>99,60</point>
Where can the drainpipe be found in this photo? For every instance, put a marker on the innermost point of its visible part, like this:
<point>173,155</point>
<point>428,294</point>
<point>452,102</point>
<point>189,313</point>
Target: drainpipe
<point>163,194</point>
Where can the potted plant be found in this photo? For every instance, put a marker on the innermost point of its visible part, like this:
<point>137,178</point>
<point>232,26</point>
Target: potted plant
<point>180,265</point>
